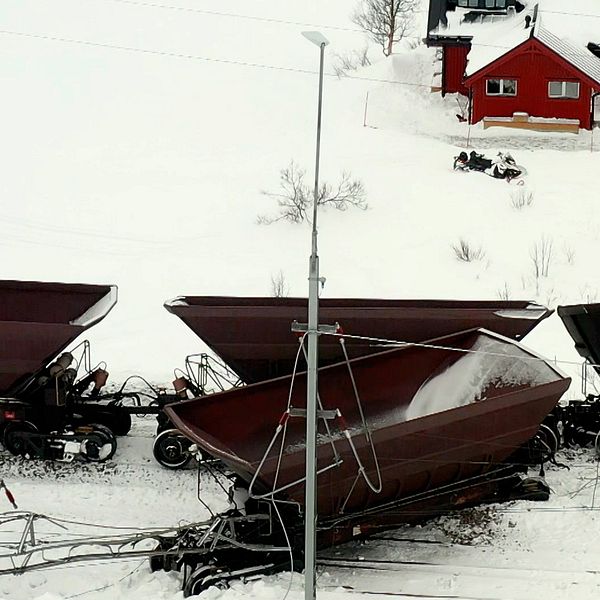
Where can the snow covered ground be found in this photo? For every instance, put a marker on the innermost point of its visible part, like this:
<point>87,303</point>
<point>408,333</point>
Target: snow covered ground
<point>515,551</point>
<point>145,169</point>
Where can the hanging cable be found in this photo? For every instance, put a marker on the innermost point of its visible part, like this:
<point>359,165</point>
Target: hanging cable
<point>282,421</point>
<point>390,344</point>
<point>376,488</point>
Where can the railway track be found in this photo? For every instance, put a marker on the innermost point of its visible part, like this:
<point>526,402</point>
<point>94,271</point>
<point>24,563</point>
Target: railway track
<point>402,565</point>
<point>410,579</point>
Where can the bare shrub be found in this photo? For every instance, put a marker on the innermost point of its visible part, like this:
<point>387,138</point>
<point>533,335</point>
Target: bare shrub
<point>588,295</point>
<point>503,293</point>
<point>551,298</point>
<point>541,257</point>
<point>413,43</point>
<point>521,198</point>
<point>467,253</point>
<point>343,63</point>
<point>569,254</point>
<point>279,286</point>
<point>295,199</point>
<point>386,21</point>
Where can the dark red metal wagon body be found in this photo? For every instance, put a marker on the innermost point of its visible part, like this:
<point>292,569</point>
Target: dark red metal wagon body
<point>38,320</point>
<point>252,335</point>
<point>437,416</point>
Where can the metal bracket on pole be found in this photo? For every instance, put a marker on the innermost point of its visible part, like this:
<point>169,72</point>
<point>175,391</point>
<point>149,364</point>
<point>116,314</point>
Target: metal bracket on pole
<point>329,415</point>
<point>303,328</point>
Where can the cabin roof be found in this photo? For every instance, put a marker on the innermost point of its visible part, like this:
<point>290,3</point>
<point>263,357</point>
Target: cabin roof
<point>566,34</point>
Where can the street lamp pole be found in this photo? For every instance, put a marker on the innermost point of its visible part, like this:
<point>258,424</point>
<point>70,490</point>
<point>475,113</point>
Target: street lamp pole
<point>310,509</point>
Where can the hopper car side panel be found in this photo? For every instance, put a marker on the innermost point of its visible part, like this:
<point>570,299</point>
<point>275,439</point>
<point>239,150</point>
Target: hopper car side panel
<point>39,319</point>
<point>583,324</point>
<point>252,334</point>
<point>24,348</point>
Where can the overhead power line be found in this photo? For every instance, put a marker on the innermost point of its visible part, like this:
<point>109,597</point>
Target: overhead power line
<point>196,57</point>
<point>285,22</point>
<point>217,13</point>
<point>185,56</point>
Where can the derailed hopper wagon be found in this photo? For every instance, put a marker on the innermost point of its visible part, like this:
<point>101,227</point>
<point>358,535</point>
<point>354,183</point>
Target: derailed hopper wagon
<point>403,433</point>
<point>252,334</point>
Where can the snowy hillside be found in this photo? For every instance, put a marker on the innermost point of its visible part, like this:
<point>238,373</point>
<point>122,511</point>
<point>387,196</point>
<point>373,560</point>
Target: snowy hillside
<point>137,139</point>
<point>145,169</point>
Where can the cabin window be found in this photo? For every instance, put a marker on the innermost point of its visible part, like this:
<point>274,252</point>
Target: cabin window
<point>501,87</point>
<point>563,89</point>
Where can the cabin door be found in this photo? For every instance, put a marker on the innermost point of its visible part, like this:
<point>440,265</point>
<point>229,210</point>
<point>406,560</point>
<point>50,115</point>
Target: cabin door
<point>596,118</point>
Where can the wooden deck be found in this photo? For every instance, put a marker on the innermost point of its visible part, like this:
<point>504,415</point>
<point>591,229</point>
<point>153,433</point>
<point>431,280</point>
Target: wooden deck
<point>524,121</point>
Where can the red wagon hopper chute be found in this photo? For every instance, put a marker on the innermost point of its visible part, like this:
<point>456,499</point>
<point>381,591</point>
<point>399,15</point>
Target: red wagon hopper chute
<point>39,319</point>
<point>252,334</point>
<point>438,413</point>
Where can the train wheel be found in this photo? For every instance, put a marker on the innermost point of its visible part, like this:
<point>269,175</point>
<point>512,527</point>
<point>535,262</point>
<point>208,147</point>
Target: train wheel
<point>98,445</point>
<point>549,437</point>
<point>14,439</point>
<point>204,577</point>
<point>543,446</point>
<point>171,449</point>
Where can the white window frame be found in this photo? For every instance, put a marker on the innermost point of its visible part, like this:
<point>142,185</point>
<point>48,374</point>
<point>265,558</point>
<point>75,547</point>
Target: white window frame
<point>501,92</point>
<point>563,92</point>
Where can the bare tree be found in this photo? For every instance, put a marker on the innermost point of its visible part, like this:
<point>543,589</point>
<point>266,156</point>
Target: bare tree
<point>296,197</point>
<point>386,21</point>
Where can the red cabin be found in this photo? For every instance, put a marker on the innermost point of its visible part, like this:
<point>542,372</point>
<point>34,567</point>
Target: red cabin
<point>516,72</point>
<point>543,77</point>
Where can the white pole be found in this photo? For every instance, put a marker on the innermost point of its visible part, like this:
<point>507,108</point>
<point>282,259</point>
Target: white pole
<point>310,508</point>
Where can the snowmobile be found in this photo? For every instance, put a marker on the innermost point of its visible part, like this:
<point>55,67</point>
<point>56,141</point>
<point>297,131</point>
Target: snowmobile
<point>503,166</point>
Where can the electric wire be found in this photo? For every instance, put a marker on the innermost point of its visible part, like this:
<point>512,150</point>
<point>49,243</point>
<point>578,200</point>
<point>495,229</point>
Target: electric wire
<point>375,488</point>
<point>104,587</point>
<point>303,24</point>
<point>188,9</point>
<point>402,344</point>
<point>247,64</point>
<point>278,430</point>
<point>88,233</point>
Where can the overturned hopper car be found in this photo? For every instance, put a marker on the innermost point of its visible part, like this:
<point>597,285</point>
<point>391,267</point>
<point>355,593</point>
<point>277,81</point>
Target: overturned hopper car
<point>252,334</point>
<point>399,429</point>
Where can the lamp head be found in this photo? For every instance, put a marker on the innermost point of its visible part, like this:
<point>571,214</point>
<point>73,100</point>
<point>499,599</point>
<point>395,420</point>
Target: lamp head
<point>316,37</point>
